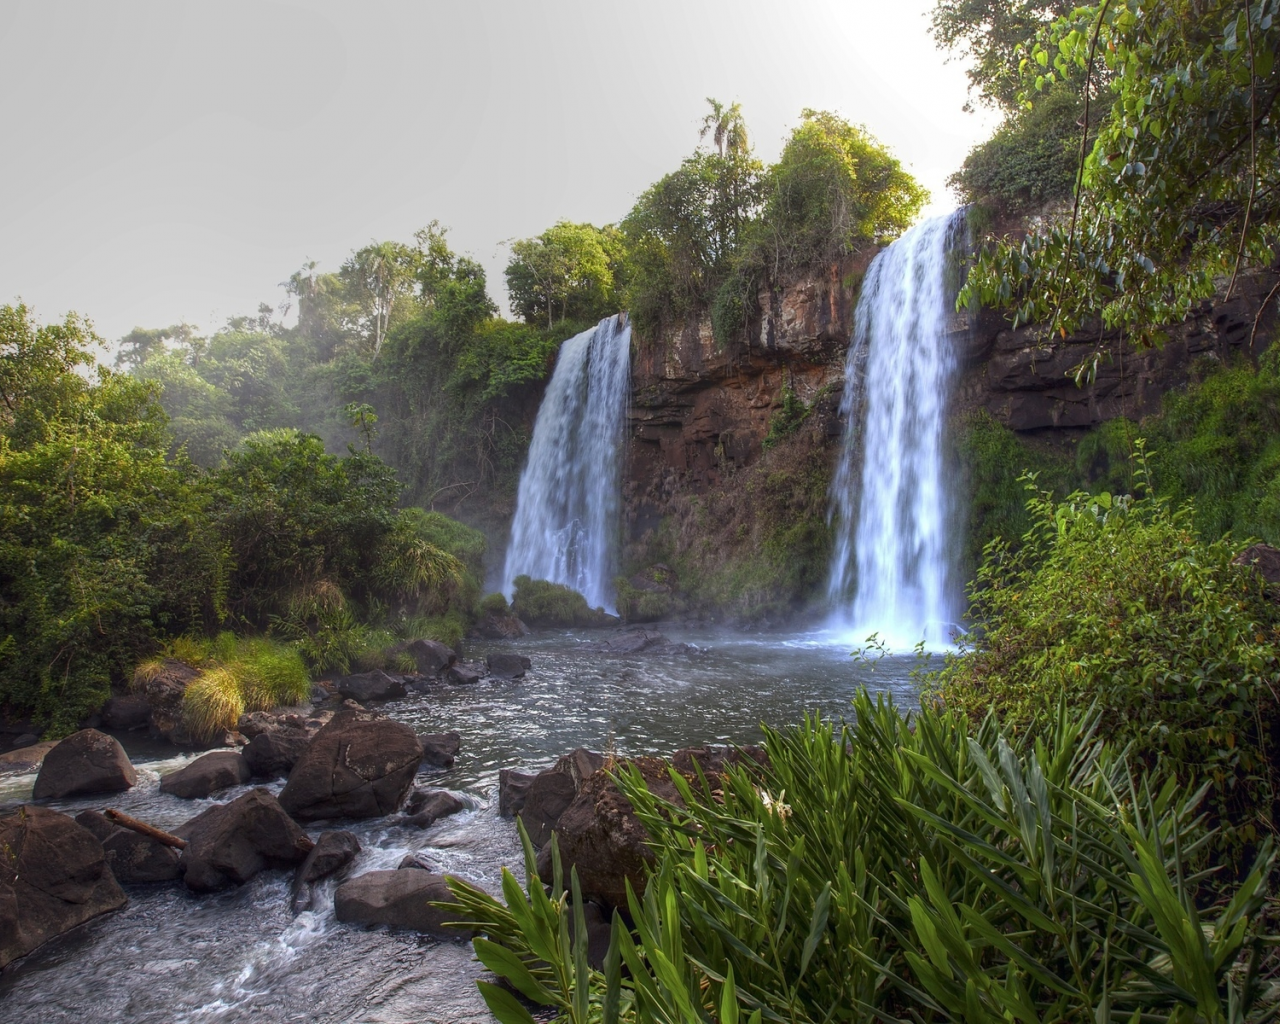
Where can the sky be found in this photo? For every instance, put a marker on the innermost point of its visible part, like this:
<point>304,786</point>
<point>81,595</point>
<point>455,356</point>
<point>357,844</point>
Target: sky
<point>175,162</point>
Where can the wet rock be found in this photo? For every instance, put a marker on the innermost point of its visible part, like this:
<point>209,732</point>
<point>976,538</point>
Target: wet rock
<point>640,641</point>
<point>207,775</point>
<point>53,877</point>
<point>26,759</point>
<point>416,860</point>
<point>508,666</point>
<point>548,797</point>
<point>360,765</point>
<point>500,627</point>
<point>513,789</point>
<point>367,686</point>
<point>272,754</point>
<point>127,712</point>
<point>431,656</point>
<point>462,675</point>
<point>85,762</point>
<point>427,806</point>
<point>163,686</point>
<point>333,852</point>
<point>440,749</point>
<point>397,899</point>
<point>133,858</point>
<point>230,843</point>
<point>600,835</point>
<point>579,765</point>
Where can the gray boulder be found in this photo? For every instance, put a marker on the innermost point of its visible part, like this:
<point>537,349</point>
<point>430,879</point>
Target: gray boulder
<point>230,843</point>
<point>548,797</point>
<point>440,749</point>
<point>431,656</point>
<point>427,806</point>
<point>164,686</point>
<point>398,899</point>
<point>53,877</point>
<point>508,666</point>
<point>513,789</point>
<point>461,675</point>
<point>133,858</point>
<point>367,686</point>
<point>273,754</point>
<point>333,852</point>
<point>127,712</point>
<point>360,765</point>
<point>86,762</point>
<point>206,775</point>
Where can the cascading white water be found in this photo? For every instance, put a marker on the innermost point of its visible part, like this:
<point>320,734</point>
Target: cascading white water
<point>566,522</point>
<point>891,570</point>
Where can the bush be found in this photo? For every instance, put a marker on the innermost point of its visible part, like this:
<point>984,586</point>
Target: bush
<point>541,603</point>
<point>896,870</point>
<point>237,674</point>
<point>494,604</point>
<point>1117,603</point>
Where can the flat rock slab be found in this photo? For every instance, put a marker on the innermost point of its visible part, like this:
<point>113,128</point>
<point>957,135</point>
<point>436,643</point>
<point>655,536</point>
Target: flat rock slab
<point>86,762</point>
<point>398,899</point>
<point>206,775</point>
<point>53,877</point>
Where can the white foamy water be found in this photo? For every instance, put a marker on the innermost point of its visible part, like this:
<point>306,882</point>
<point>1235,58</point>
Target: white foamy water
<point>891,571</point>
<point>566,524</point>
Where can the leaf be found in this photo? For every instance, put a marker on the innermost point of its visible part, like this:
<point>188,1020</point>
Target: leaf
<point>504,1005</point>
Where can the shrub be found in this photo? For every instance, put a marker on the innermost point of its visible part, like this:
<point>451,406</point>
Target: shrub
<point>238,674</point>
<point>896,870</point>
<point>1116,602</point>
<point>542,603</point>
<point>494,604</point>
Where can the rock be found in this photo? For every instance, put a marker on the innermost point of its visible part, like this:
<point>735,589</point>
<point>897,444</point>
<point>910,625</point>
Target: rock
<point>461,675</point>
<point>360,765</point>
<point>507,666</point>
<point>26,759</point>
<point>272,754</point>
<point>53,877</point>
<point>127,712</point>
<point>416,860</point>
<point>500,627</point>
<point>319,693</point>
<point>427,806</point>
<point>580,765</point>
<point>640,641</point>
<point>548,797</point>
<point>599,922</point>
<point>398,899</point>
<point>163,687</point>
<point>230,843</point>
<point>1265,560</point>
<point>133,858</point>
<point>513,789</point>
<point>85,762</point>
<point>440,749</point>
<point>431,656</point>
<point>714,760</point>
<point>600,835</point>
<point>27,739</point>
<point>367,686</point>
<point>333,852</point>
<point>206,775</point>
<point>255,723</point>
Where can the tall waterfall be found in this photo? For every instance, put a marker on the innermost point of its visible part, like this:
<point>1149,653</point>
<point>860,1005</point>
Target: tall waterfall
<point>891,572</point>
<point>566,523</point>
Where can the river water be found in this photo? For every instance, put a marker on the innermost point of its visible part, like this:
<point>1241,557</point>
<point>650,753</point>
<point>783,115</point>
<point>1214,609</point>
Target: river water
<point>240,955</point>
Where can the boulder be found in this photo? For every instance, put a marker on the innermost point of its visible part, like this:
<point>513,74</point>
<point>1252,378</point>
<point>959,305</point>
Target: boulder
<point>600,835</point>
<point>360,765</point>
<point>1265,560</point>
<point>163,686</point>
<point>367,686</point>
<point>513,789</point>
<point>507,666</point>
<point>133,858</point>
<point>272,754</point>
<point>26,739</point>
<point>713,761</point>
<point>127,712</point>
<point>579,765</point>
<point>398,899</point>
<point>640,641</point>
<point>206,775</point>
<point>439,749</point>
<point>427,806</point>
<point>53,877</point>
<point>548,797</point>
<point>25,759</point>
<point>230,843</point>
<point>500,627</point>
<point>417,859</point>
<point>461,675</point>
<point>85,762</point>
<point>431,656</point>
<point>333,852</point>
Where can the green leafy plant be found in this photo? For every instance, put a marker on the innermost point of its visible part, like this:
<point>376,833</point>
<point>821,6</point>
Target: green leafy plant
<point>542,603</point>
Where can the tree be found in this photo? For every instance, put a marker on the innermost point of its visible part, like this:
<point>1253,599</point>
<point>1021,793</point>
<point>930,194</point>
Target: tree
<point>140,344</point>
<point>381,274</point>
<point>570,266</point>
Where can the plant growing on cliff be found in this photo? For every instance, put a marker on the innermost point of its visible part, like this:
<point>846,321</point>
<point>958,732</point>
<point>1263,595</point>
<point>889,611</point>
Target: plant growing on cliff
<point>898,869</point>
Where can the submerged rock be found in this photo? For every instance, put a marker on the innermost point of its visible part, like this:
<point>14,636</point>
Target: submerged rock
<point>133,858</point>
<point>230,843</point>
<point>86,762</point>
<point>53,877</point>
<point>206,775</point>
<point>360,765</point>
<point>398,899</point>
<point>640,641</point>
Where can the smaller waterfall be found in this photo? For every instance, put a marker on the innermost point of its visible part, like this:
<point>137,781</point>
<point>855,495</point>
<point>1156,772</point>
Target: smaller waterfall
<point>891,569</point>
<point>567,508</point>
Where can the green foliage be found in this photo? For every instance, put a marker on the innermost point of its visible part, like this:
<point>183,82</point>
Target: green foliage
<point>637,604</point>
<point>787,417</point>
<point>1179,189</point>
<point>898,869</point>
<point>542,603</point>
<point>1117,603</point>
<point>571,267</point>
<point>494,604</point>
<point>239,674</point>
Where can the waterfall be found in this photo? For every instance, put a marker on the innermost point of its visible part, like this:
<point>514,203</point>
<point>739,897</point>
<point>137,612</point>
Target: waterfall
<point>566,522</point>
<point>891,571</point>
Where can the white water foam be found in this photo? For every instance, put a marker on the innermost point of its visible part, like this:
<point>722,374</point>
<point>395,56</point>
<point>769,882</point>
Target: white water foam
<point>891,571</point>
<point>567,509</point>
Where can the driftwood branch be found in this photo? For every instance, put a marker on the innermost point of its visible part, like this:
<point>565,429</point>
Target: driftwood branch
<point>142,828</point>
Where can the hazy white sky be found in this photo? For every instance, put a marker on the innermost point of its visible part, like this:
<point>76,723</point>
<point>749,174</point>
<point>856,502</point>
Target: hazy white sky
<point>170,161</point>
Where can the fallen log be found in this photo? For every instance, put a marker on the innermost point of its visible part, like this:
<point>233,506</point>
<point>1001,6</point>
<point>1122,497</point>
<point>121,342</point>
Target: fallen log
<point>133,824</point>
